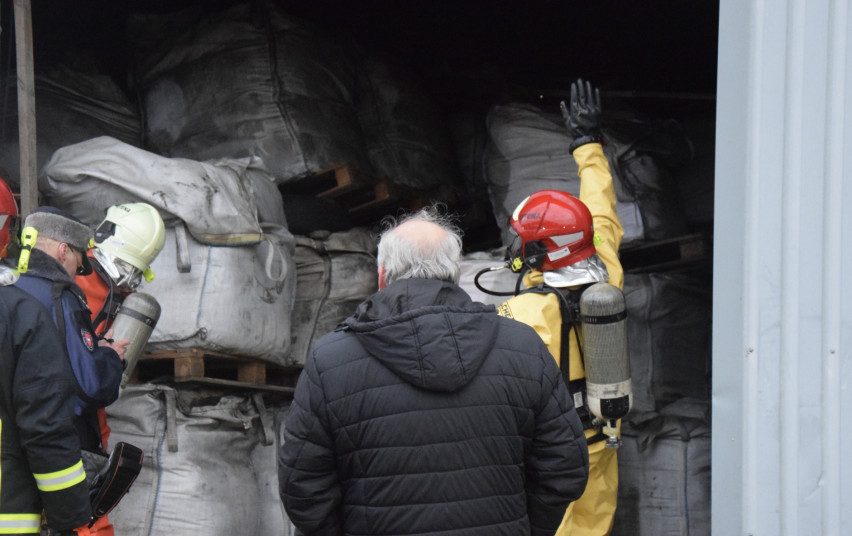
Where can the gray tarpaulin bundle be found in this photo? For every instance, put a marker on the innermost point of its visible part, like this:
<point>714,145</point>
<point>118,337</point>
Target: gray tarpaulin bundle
<point>252,81</point>
<point>664,473</point>
<point>336,272</point>
<point>528,152</point>
<point>76,102</point>
<point>234,299</point>
<point>210,463</point>
<point>215,199</point>
<point>406,139</point>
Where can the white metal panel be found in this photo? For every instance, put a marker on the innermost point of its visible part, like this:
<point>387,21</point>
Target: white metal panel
<point>782,313</point>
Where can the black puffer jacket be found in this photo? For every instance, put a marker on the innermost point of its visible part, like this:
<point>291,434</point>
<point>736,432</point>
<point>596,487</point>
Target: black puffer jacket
<point>427,413</point>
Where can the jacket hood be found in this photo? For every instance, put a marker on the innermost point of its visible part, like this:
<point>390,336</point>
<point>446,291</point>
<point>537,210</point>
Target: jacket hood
<point>428,332</point>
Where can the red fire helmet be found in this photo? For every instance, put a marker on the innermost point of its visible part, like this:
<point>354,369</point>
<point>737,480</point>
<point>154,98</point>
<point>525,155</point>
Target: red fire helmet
<point>555,229</point>
<point>8,212</point>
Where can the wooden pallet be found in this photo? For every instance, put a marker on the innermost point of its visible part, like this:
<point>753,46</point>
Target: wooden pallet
<point>211,368</point>
<point>665,255</point>
<point>348,187</point>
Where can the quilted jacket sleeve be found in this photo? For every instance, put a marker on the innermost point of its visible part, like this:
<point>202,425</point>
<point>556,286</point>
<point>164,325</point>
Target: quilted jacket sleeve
<point>558,463</point>
<point>307,471</point>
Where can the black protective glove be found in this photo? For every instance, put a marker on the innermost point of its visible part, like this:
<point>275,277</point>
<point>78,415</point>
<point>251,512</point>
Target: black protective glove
<point>583,118</point>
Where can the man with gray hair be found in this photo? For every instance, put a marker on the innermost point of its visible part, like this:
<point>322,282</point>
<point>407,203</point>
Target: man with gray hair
<point>427,413</point>
<point>59,252</point>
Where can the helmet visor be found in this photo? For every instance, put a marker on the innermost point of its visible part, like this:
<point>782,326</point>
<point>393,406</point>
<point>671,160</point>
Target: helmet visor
<point>122,273</point>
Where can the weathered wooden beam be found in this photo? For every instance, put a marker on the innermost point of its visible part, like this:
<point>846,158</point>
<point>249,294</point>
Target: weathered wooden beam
<point>26,106</point>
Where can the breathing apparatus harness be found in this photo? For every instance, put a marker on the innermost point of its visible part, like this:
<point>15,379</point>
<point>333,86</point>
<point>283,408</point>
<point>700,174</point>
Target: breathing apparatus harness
<point>569,308</point>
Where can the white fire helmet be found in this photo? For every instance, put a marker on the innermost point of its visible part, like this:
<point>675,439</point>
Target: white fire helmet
<point>127,242</point>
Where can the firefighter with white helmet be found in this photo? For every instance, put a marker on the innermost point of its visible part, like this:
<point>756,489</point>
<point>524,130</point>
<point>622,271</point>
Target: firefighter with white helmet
<point>569,247</point>
<point>126,243</point>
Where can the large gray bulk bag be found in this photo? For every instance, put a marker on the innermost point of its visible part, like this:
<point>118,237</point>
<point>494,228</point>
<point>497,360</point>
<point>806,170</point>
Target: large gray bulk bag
<point>664,478</point>
<point>252,81</point>
<point>215,199</point>
<point>407,141</point>
<point>235,300</point>
<point>669,333</point>
<point>335,273</point>
<point>264,457</point>
<point>528,152</point>
<point>470,139</point>
<point>201,473</point>
<point>76,102</point>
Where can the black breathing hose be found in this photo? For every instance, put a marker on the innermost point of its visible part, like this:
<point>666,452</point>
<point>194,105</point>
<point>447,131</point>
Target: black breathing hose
<point>494,269</point>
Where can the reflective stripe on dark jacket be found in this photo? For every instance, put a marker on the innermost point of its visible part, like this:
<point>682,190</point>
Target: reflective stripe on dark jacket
<point>97,369</point>
<point>430,414</point>
<point>40,465</point>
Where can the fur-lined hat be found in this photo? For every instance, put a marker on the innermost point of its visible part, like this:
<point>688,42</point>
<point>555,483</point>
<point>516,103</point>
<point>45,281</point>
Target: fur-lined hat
<point>62,227</point>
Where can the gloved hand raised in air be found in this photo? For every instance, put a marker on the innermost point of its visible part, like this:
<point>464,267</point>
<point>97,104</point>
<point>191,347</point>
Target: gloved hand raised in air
<point>583,117</point>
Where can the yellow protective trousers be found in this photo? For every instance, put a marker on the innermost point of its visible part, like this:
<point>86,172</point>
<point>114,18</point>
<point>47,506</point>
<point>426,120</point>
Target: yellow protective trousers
<point>593,513</point>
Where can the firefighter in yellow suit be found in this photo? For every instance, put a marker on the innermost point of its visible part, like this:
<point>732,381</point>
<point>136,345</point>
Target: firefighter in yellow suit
<point>567,245</point>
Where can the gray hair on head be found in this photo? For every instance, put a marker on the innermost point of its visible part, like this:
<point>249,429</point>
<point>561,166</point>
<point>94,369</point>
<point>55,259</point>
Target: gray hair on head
<point>424,244</point>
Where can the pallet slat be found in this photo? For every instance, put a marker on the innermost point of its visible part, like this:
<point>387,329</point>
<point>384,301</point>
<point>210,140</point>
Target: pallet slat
<point>212,368</point>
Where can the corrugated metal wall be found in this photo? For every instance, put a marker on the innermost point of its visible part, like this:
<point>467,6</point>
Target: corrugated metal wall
<point>782,341</point>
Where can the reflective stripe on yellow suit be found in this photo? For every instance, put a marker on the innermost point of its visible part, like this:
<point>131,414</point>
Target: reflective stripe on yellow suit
<point>593,513</point>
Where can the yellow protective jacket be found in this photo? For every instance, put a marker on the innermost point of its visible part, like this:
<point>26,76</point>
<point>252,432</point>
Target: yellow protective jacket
<point>593,513</point>
<point>541,311</point>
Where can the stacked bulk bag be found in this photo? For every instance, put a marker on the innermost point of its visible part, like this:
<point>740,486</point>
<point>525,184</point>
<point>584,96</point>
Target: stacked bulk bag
<point>642,155</point>
<point>470,138</point>
<point>252,81</point>
<point>76,102</point>
<point>272,518</point>
<point>335,273</point>
<point>208,468</point>
<point>528,152</point>
<point>664,474</point>
<point>406,139</point>
<point>225,280</point>
<point>669,332</point>
<point>234,300</point>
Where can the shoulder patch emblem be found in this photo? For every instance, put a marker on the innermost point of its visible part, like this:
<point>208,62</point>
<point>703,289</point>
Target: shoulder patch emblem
<point>504,310</point>
<point>88,340</point>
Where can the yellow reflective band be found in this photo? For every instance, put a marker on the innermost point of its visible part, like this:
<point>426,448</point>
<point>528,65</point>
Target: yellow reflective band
<point>148,274</point>
<point>59,480</point>
<point>20,523</point>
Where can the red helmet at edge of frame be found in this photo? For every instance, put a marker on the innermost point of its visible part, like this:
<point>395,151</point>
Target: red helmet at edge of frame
<point>555,229</point>
<point>8,212</point>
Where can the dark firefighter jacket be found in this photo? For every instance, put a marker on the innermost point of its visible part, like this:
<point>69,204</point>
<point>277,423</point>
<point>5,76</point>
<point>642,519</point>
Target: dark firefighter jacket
<point>97,369</point>
<point>426,413</point>
<point>40,465</point>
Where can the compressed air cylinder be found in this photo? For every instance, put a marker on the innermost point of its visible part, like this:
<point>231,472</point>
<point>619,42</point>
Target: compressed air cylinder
<point>135,320</point>
<point>604,320</point>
